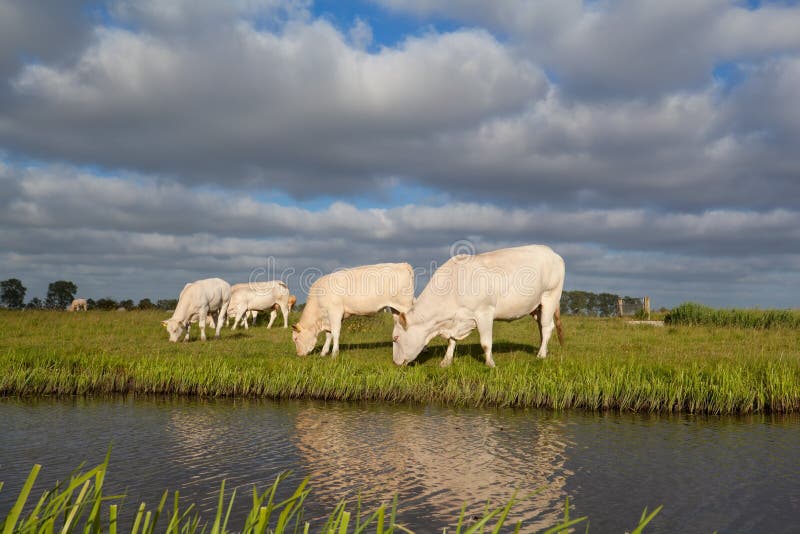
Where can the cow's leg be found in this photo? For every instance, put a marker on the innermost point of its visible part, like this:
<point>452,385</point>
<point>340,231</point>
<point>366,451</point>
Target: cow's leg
<point>448,355</point>
<point>223,311</point>
<point>253,316</point>
<point>201,323</point>
<point>336,328</point>
<point>485,323</point>
<point>285,312</point>
<point>537,316</point>
<point>188,327</point>
<point>546,313</point>
<point>245,321</point>
<point>239,313</point>
<point>272,315</point>
<point>327,346</point>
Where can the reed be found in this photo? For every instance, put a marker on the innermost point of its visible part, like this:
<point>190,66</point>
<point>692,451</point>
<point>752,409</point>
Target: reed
<point>79,505</point>
<point>690,313</point>
<point>606,364</point>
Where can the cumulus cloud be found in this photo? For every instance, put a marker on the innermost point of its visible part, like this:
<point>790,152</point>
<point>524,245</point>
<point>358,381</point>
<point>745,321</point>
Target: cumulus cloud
<point>653,144</point>
<point>625,48</point>
<point>249,104</point>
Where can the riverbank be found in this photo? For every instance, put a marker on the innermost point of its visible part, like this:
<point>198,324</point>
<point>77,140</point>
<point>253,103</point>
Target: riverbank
<point>606,364</point>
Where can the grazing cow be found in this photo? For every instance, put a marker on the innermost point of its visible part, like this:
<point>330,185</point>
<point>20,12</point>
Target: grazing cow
<point>197,301</point>
<point>210,318</point>
<point>78,305</point>
<point>260,296</point>
<point>358,291</point>
<point>470,292</point>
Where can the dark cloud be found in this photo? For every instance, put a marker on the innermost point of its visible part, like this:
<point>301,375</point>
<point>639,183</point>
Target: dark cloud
<point>140,229</point>
<point>46,31</point>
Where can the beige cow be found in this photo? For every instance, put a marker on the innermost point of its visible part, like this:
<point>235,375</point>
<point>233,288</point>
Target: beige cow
<point>196,302</point>
<point>78,305</point>
<point>358,291</point>
<point>469,292</point>
<point>260,296</point>
<point>253,314</point>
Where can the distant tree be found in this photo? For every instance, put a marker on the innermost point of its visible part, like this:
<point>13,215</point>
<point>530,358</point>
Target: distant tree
<point>127,304</point>
<point>91,304</point>
<point>107,304</point>
<point>588,303</point>
<point>12,293</point>
<point>167,304</point>
<point>35,304</point>
<point>146,304</point>
<point>60,294</point>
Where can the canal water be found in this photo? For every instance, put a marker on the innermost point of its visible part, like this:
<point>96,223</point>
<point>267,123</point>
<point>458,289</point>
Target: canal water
<point>729,474</point>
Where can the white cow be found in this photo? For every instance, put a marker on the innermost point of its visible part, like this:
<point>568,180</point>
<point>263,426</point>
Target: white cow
<point>260,296</point>
<point>196,302</point>
<point>470,292</point>
<point>78,305</point>
<point>358,291</point>
<point>210,318</point>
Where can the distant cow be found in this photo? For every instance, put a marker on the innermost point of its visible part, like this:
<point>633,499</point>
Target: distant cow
<point>260,296</point>
<point>196,302</point>
<point>253,314</point>
<point>469,292</point>
<point>358,291</point>
<point>78,305</point>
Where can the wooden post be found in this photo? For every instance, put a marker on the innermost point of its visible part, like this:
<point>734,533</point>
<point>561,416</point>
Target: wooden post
<point>619,307</point>
<point>647,307</point>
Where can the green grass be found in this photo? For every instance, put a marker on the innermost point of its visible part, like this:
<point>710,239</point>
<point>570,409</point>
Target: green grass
<point>690,313</point>
<point>606,364</point>
<point>79,505</point>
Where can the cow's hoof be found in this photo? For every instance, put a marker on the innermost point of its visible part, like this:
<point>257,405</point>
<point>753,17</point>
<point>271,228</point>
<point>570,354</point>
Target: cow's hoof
<point>445,363</point>
<point>541,356</point>
<point>490,363</point>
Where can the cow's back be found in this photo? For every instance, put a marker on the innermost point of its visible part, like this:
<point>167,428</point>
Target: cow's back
<point>210,292</point>
<point>511,281</point>
<point>366,289</point>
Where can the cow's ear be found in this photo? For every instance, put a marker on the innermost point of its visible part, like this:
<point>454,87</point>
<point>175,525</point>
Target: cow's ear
<point>296,327</point>
<point>163,323</point>
<point>403,321</point>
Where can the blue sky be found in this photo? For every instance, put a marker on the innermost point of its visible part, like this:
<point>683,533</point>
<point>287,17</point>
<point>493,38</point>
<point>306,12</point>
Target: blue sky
<point>652,144</point>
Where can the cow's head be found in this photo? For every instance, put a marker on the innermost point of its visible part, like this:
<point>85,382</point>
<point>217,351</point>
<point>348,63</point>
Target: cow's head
<point>408,340</point>
<point>175,329</point>
<point>304,339</point>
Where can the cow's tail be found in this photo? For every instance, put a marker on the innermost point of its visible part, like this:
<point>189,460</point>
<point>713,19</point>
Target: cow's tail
<point>559,331</point>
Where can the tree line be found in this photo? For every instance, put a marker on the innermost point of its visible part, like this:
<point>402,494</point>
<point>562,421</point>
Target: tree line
<point>588,303</point>
<point>61,293</point>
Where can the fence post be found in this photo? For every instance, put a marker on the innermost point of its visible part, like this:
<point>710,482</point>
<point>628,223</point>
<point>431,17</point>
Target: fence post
<point>647,307</point>
<point>619,307</point>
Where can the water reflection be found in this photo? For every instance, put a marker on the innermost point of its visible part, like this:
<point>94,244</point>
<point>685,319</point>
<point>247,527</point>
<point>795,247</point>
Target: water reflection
<point>437,459</point>
<point>711,473</point>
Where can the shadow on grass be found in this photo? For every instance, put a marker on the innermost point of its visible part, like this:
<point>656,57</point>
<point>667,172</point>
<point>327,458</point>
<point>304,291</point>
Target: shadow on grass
<point>371,345</point>
<point>474,351</point>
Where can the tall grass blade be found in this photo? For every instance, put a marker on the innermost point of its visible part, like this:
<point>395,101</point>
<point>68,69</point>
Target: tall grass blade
<point>643,521</point>
<point>16,510</point>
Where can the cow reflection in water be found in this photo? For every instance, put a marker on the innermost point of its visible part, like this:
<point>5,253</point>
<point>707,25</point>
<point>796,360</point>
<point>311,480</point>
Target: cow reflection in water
<point>435,460</point>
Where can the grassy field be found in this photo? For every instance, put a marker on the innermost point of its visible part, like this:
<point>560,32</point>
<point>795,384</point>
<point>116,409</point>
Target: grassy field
<point>606,364</point>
